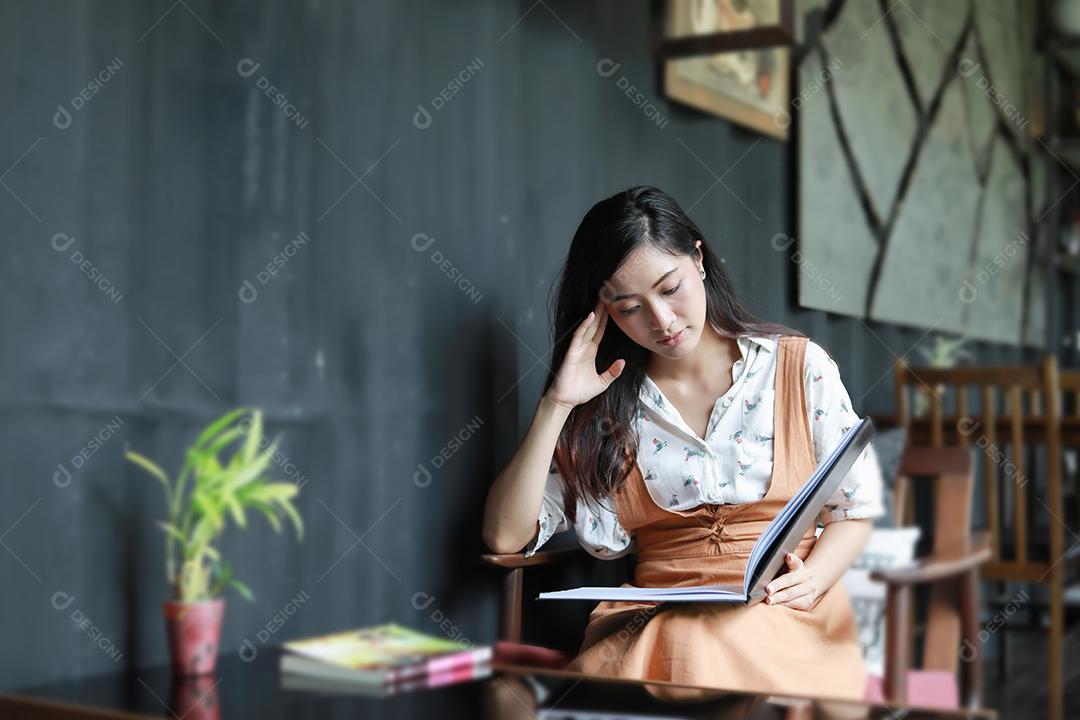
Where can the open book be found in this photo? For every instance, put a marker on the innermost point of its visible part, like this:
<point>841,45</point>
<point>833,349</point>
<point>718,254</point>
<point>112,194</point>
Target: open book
<point>767,556</point>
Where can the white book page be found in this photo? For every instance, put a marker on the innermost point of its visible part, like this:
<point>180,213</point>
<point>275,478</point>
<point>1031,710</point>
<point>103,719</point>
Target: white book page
<point>714,593</point>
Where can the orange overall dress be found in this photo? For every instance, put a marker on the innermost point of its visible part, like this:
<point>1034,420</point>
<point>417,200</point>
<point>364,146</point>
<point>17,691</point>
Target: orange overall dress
<point>757,648</point>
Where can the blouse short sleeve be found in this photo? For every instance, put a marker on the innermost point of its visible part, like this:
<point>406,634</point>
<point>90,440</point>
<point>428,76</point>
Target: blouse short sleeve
<point>831,415</point>
<point>597,527</point>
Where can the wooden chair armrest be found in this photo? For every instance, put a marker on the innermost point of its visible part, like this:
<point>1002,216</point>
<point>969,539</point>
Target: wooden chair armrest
<point>515,564</point>
<point>940,565</point>
<point>511,561</point>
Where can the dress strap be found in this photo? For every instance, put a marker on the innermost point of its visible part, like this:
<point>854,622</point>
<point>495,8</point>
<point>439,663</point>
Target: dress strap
<point>793,444</point>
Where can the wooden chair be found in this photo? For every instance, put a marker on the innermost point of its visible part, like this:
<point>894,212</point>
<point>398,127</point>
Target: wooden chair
<point>1020,552</point>
<point>951,642</point>
<point>953,566</point>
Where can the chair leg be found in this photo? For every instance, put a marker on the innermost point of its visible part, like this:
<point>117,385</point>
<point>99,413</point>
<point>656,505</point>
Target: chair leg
<point>897,642</point>
<point>1003,646</point>
<point>510,615</point>
<point>969,613</point>
<point>1057,642</point>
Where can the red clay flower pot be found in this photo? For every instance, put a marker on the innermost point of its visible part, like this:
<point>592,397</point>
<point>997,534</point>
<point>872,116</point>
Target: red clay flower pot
<point>194,630</point>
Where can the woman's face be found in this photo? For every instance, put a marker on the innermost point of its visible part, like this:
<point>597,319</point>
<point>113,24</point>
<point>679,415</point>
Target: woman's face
<point>654,295</point>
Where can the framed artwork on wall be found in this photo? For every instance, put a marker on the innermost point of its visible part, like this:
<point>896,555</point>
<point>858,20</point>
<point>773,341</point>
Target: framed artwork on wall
<point>690,28</point>
<point>748,81</point>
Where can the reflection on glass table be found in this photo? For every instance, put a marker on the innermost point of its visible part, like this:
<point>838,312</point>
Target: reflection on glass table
<point>256,689</point>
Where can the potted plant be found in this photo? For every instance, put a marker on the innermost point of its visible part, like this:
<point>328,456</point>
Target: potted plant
<point>944,353</point>
<point>209,491</point>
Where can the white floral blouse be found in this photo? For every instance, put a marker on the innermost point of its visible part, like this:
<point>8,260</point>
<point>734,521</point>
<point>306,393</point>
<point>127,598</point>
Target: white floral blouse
<point>733,463</point>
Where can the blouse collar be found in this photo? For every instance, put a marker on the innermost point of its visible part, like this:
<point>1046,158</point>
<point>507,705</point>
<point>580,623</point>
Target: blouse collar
<point>652,396</point>
<point>766,341</point>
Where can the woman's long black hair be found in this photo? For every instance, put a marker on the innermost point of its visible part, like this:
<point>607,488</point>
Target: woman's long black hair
<point>597,448</point>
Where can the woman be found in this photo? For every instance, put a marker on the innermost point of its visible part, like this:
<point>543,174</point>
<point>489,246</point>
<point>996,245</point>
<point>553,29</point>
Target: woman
<point>704,422</point>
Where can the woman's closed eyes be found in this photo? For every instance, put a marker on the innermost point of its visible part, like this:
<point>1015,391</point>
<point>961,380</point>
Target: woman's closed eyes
<point>631,311</point>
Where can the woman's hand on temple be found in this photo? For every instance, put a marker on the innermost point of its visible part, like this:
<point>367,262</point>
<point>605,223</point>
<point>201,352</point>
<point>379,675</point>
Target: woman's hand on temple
<point>795,588</point>
<point>577,381</point>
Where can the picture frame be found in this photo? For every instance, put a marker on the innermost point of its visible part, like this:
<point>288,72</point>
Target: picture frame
<point>692,28</point>
<point>744,74</point>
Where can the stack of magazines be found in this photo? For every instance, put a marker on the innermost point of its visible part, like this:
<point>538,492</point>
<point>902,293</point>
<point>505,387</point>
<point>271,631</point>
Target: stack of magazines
<point>381,660</point>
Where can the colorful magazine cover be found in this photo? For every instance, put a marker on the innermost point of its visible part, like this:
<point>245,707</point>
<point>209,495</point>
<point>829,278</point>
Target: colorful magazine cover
<point>382,646</point>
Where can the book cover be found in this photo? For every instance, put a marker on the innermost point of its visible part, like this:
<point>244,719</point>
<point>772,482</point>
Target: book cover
<point>378,655</point>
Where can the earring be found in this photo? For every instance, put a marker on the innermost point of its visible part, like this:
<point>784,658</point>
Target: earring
<point>702,274</point>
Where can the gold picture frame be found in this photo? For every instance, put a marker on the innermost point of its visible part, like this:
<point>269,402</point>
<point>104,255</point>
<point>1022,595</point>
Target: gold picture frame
<point>689,28</point>
<point>748,85</point>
